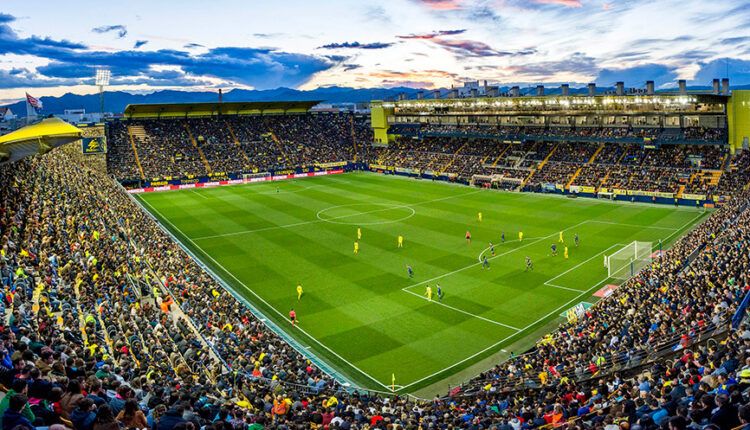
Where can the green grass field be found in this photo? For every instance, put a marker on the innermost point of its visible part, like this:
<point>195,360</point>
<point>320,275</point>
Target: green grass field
<point>361,313</point>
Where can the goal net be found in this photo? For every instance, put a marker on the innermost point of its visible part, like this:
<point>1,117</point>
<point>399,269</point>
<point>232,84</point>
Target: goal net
<point>256,176</point>
<point>629,260</point>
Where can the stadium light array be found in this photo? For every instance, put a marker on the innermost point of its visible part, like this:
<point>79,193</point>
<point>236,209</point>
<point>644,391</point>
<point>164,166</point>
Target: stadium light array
<point>103,77</point>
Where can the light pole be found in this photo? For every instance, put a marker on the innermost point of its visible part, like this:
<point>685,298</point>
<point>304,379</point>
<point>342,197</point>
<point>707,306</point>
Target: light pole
<point>103,77</point>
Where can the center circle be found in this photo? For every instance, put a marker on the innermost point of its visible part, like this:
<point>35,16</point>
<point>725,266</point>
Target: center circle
<point>349,214</point>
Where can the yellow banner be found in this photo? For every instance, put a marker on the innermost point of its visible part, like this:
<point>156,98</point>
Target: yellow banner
<point>331,164</point>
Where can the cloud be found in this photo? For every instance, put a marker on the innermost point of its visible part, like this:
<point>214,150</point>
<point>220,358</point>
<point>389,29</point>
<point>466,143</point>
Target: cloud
<point>662,41</point>
<point>637,75</point>
<point>23,78</point>
<point>10,43</point>
<point>566,3</point>
<point>121,30</point>
<point>193,46</point>
<point>349,67</point>
<point>267,35</point>
<point>432,35</point>
<point>337,58</point>
<point>139,43</point>
<point>357,45</point>
<point>472,48</point>
<point>735,40</point>
<point>738,71</point>
<point>578,64</point>
<point>71,63</point>
<point>441,4</point>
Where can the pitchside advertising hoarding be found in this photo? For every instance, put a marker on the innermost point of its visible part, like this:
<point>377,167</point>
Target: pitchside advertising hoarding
<point>94,145</point>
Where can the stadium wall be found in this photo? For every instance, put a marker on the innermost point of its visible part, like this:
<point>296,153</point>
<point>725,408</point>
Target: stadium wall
<point>738,113</point>
<point>379,121</point>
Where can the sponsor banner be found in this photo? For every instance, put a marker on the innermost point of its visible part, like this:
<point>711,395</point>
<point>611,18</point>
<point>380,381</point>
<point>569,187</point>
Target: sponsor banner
<point>606,291</point>
<point>694,196</point>
<point>167,187</point>
<point>603,190</point>
<point>549,186</point>
<point>332,164</point>
<point>94,145</point>
<point>587,189</point>
<point>407,170</point>
<point>575,189</point>
<point>650,194</point>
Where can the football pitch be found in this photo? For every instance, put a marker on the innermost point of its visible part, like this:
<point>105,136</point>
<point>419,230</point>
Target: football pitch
<point>362,313</point>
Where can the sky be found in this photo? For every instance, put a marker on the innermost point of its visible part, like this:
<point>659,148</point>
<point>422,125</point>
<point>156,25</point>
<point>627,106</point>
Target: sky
<point>48,47</point>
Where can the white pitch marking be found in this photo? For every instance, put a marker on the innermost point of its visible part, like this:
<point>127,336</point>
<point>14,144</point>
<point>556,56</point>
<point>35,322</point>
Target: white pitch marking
<point>297,224</point>
<point>464,312</point>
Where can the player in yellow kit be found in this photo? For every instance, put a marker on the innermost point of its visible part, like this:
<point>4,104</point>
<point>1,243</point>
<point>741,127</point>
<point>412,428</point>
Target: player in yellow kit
<point>520,236</point>
<point>400,241</point>
<point>356,247</point>
<point>479,215</point>
<point>428,293</point>
<point>561,238</point>
<point>299,290</point>
<point>565,253</point>
<point>359,233</point>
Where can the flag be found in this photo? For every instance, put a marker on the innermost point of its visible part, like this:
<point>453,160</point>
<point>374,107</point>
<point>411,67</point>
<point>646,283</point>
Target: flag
<point>393,382</point>
<point>33,101</point>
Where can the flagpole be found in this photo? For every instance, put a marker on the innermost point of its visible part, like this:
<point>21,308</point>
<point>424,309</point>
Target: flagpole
<point>29,110</point>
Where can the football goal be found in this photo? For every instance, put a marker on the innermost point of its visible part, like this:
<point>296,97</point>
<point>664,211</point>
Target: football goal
<point>629,260</point>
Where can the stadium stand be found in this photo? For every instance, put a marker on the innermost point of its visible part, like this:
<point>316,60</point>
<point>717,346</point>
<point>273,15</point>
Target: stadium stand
<point>106,316</point>
<point>249,143</point>
<point>108,323</point>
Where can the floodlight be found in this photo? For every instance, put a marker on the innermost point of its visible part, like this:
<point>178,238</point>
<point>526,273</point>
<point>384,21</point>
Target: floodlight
<point>102,77</point>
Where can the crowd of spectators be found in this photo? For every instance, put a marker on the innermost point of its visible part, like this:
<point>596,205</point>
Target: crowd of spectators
<point>234,144</point>
<point>557,132</point>
<point>665,168</point>
<point>109,323</point>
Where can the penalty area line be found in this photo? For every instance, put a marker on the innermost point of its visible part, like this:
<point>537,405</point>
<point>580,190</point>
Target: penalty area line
<point>463,311</point>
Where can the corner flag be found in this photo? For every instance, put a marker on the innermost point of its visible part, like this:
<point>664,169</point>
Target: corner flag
<point>393,382</point>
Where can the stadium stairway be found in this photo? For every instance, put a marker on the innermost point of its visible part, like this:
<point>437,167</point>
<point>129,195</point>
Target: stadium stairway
<point>680,191</point>
<point>573,177</point>
<point>139,132</point>
<point>602,181</point>
<point>727,162</point>
<point>596,153</point>
<point>354,137</point>
<point>235,140</point>
<point>453,159</point>
<point>499,157</point>
<point>195,144</point>
<point>279,145</point>
<point>538,168</point>
<point>546,159</point>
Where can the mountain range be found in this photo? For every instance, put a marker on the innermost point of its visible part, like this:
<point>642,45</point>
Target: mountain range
<point>115,101</point>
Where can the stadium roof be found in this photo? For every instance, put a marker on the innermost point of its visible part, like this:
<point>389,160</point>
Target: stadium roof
<point>159,110</point>
<point>39,137</point>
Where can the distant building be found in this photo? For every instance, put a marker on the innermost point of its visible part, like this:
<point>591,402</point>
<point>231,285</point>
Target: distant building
<point>6,114</point>
<point>75,116</point>
<point>342,107</point>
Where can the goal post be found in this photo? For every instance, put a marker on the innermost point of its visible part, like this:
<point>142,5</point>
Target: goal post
<point>629,260</point>
<point>251,177</point>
